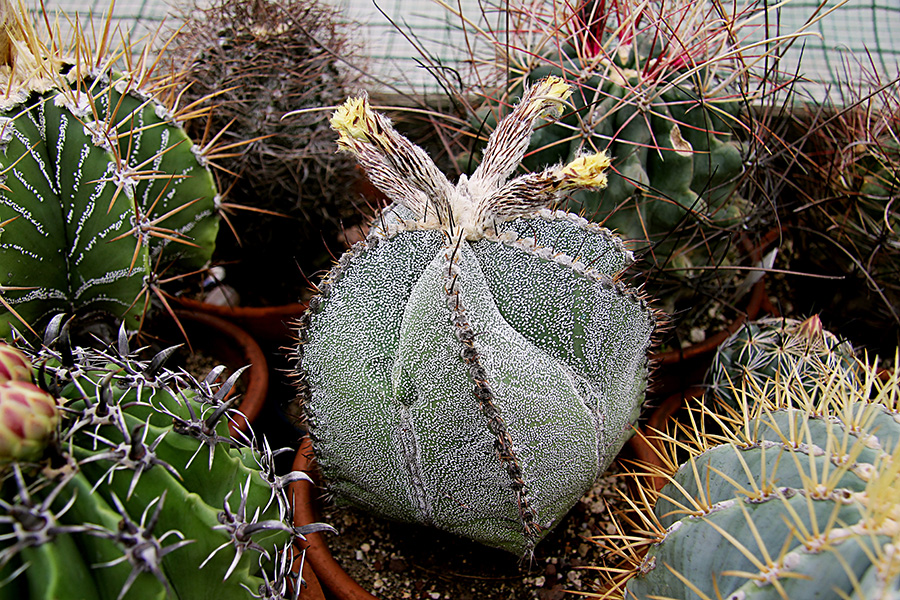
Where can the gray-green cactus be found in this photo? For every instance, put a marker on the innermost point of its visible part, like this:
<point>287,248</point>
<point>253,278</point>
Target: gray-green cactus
<point>477,360</point>
<point>141,492</point>
<point>102,190</point>
<point>787,351</point>
<point>796,499</point>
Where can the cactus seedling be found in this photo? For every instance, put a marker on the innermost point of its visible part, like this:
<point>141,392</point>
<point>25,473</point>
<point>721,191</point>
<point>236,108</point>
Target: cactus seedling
<point>477,360</point>
<point>102,188</point>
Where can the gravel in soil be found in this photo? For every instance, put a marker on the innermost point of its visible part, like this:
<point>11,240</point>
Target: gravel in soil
<point>397,561</point>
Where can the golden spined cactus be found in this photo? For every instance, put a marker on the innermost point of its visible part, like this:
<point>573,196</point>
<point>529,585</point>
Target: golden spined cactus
<point>792,496</point>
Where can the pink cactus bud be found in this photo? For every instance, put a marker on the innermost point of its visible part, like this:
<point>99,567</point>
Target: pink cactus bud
<point>813,330</point>
<point>28,417</point>
<point>14,366</point>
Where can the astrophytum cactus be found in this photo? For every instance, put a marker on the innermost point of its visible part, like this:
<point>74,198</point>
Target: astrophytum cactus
<point>477,360</point>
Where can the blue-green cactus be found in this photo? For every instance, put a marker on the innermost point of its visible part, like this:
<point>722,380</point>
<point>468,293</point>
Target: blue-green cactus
<point>478,360</point>
<point>796,498</point>
<point>102,189</point>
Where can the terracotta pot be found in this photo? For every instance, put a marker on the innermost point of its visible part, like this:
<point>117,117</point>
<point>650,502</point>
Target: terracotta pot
<point>268,324</point>
<point>328,572</point>
<point>644,445</point>
<point>753,309</point>
<point>231,345</point>
<point>757,304</point>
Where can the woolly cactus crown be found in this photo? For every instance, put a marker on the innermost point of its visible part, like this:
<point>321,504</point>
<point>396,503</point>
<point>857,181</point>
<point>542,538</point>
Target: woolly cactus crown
<point>409,177</point>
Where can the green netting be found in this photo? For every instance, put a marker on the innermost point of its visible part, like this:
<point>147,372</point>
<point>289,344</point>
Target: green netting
<point>860,35</point>
<point>136,16</point>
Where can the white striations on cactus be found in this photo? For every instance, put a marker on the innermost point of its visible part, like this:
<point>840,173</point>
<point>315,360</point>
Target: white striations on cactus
<point>477,360</point>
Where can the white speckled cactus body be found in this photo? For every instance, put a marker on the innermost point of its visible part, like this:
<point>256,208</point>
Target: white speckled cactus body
<point>476,362</point>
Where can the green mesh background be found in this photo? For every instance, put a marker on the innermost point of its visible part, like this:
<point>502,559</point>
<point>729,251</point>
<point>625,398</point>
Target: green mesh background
<point>861,37</point>
<point>137,16</point>
<point>862,33</point>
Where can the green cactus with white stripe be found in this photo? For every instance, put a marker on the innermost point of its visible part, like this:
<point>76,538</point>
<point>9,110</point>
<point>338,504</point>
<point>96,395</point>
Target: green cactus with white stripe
<point>794,497</point>
<point>478,360</point>
<point>102,189</point>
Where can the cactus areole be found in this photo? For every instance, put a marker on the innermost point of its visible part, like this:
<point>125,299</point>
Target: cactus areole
<point>476,362</point>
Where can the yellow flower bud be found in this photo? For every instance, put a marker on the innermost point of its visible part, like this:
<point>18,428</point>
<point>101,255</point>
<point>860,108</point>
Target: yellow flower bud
<point>588,171</point>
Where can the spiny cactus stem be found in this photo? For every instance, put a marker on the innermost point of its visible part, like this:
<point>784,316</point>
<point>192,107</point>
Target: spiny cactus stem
<point>143,550</point>
<point>285,579</point>
<point>269,474</point>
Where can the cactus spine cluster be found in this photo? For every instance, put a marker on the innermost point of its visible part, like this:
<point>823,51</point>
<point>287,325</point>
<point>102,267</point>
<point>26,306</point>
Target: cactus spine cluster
<point>784,350</point>
<point>793,496</point>
<point>102,189</point>
<point>477,360</point>
<point>140,492</point>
